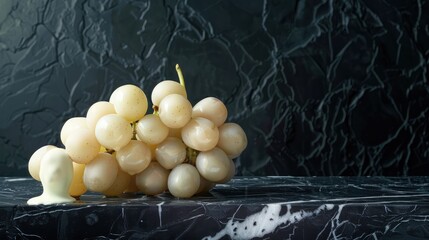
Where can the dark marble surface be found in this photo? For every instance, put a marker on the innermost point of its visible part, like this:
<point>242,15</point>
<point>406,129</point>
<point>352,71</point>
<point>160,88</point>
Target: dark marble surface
<point>321,87</point>
<point>245,208</point>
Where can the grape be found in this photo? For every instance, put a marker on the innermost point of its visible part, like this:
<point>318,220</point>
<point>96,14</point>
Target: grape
<point>184,181</point>
<point>171,153</point>
<point>200,134</point>
<point>230,174</point>
<point>113,131</point>
<point>134,157</point>
<point>34,162</point>
<point>211,108</point>
<point>77,187</point>
<point>213,165</point>
<point>153,180</point>
<point>205,185</point>
<point>96,111</point>
<point>166,88</point>
<point>132,187</point>
<point>130,102</point>
<point>232,139</point>
<point>175,111</point>
<point>72,125</point>
<point>106,157</point>
<point>151,130</point>
<point>82,146</point>
<point>100,173</point>
<point>122,181</point>
<point>152,149</point>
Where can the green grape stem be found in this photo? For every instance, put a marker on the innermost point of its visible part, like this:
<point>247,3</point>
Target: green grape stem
<point>191,156</point>
<point>155,110</point>
<point>110,151</point>
<point>134,125</point>
<point>180,75</point>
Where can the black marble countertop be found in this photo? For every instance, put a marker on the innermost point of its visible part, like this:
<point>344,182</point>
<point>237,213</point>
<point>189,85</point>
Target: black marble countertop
<point>245,208</point>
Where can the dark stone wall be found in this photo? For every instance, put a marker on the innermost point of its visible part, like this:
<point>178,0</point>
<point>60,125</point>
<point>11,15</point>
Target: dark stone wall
<point>321,87</point>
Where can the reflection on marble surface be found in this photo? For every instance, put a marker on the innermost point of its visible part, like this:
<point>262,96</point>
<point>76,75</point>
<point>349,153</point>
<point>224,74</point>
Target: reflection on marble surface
<point>321,87</point>
<point>245,208</point>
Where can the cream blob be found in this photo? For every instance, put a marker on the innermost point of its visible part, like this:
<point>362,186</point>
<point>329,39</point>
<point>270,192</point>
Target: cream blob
<point>56,174</point>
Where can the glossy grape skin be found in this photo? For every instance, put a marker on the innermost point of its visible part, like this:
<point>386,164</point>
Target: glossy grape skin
<point>121,183</point>
<point>98,173</point>
<point>134,157</point>
<point>153,180</point>
<point>166,88</point>
<point>151,130</point>
<point>200,134</point>
<point>175,111</point>
<point>213,165</point>
<point>211,108</point>
<point>130,102</point>
<point>184,181</point>
<point>170,153</point>
<point>72,125</point>
<point>96,111</point>
<point>82,146</point>
<point>113,132</point>
<point>232,139</point>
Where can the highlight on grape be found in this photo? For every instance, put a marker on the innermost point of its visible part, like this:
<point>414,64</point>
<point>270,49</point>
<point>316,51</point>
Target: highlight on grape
<point>119,148</point>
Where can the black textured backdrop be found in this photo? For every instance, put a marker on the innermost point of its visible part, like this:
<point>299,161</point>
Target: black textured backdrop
<point>321,87</point>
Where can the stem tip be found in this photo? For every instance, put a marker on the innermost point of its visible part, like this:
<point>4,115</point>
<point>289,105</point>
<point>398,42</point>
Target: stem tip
<point>180,75</point>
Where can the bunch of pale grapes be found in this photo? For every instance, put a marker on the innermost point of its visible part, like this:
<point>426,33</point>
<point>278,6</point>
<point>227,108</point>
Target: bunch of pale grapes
<point>118,148</point>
